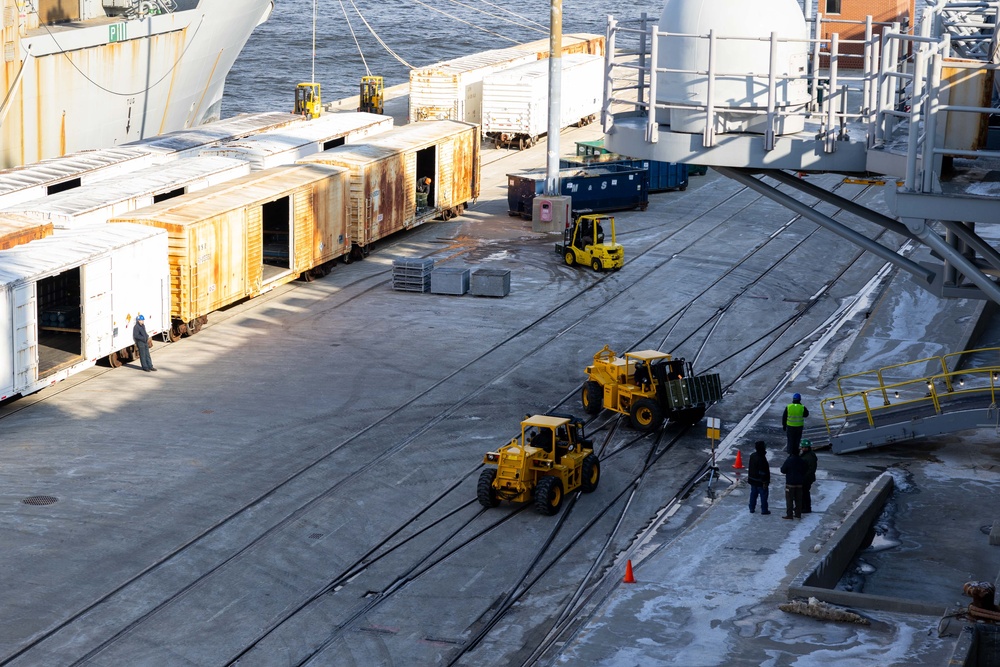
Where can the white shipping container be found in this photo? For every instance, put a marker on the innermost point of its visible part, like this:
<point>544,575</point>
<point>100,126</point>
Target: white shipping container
<point>189,142</point>
<point>286,145</point>
<point>453,90</point>
<point>516,100</point>
<point>98,202</point>
<point>41,179</point>
<point>72,298</point>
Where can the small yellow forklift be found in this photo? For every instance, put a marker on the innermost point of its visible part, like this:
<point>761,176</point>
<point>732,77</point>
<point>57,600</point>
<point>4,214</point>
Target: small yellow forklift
<point>372,95</point>
<point>585,242</point>
<point>308,102</point>
<point>553,457</point>
<point>648,386</point>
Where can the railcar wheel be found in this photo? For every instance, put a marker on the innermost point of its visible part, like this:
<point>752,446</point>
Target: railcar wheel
<point>591,397</point>
<point>570,258</point>
<point>485,492</point>
<point>646,415</point>
<point>590,473</point>
<point>114,360</point>
<point>307,276</point>
<point>548,495</point>
<point>194,326</point>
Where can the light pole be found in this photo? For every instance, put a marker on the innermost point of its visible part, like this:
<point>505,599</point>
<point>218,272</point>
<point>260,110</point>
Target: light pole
<point>555,93</point>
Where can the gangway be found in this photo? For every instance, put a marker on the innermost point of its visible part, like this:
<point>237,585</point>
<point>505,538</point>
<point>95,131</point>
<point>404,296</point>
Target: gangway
<point>914,109</point>
<point>915,399</point>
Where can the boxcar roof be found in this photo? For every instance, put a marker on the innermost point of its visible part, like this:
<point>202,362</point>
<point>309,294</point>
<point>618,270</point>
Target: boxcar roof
<point>259,186</point>
<point>229,129</point>
<point>69,166</point>
<point>67,250</point>
<point>145,182</point>
<point>397,140</point>
<point>326,127</point>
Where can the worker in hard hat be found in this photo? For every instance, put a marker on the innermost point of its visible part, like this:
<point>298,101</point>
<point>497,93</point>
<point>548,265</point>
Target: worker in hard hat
<point>423,192</point>
<point>793,419</point>
<point>141,340</point>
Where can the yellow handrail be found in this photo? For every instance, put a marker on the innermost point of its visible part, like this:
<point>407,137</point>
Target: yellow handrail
<point>913,391</point>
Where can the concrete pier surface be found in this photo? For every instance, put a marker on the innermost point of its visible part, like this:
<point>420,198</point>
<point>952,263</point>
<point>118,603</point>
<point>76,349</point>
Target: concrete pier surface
<point>296,484</point>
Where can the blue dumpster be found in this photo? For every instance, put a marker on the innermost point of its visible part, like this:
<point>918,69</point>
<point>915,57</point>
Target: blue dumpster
<point>594,189</point>
<point>663,176</point>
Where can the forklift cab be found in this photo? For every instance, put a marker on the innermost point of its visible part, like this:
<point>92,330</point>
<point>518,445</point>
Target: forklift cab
<point>307,100</point>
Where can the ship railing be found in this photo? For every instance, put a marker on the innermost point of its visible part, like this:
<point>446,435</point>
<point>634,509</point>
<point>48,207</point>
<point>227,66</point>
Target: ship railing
<point>877,393</point>
<point>839,95</point>
<point>955,51</point>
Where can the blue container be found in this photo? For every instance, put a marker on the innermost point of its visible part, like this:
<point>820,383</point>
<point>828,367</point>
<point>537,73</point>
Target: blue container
<point>663,176</point>
<point>594,188</point>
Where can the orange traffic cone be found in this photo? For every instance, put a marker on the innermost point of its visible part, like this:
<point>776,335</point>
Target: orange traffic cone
<point>629,578</point>
<point>739,460</point>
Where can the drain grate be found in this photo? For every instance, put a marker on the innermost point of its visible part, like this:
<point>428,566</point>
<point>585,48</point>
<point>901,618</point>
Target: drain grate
<point>39,500</point>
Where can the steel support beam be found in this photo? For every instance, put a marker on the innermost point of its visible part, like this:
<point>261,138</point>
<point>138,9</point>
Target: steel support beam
<point>974,241</point>
<point>851,207</point>
<point>919,227</point>
<point>829,223</point>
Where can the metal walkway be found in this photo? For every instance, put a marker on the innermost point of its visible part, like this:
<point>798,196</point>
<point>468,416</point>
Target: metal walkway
<point>931,396</point>
<point>912,108</point>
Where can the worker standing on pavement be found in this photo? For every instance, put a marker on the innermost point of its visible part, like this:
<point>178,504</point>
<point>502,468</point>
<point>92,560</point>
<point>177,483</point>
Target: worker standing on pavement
<point>141,340</point>
<point>793,419</point>
<point>759,477</point>
<point>794,469</point>
<point>809,456</point>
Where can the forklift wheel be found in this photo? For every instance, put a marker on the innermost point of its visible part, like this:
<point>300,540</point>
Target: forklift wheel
<point>591,398</point>
<point>570,258</point>
<point>646,415</point>
<point>590,473</point>
<point>485,493</point>
<point>596,265</point>
<point>548,495</point>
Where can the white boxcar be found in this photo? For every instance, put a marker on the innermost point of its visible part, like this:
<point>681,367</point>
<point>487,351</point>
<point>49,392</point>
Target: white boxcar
<point>72,298</point>
<point>189,142</point>
<point>58,174</point>
<point>286,145</point>
<point>100,201</point>
<point>516,100</point>
<point>453,90</point>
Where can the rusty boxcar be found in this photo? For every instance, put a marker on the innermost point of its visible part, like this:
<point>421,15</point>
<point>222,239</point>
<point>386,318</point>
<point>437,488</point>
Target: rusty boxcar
<point>16,229</point>
<point>242,238</point>
<point>387,170</point>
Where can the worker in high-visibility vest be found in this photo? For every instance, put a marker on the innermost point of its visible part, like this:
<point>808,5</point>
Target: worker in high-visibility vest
<point>792,421</point>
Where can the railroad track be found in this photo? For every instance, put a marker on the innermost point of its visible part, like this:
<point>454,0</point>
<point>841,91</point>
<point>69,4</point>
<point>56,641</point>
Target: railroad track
<point>383,547</point>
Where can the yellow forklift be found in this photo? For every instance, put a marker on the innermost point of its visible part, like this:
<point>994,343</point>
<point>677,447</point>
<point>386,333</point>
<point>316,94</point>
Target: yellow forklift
<point>553,457</point>
<point>586,242</point>
<point>308,102</point>
<point>371,97</point>
<point>648,386</point>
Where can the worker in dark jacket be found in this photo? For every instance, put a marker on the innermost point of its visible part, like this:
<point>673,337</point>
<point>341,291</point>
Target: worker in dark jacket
<point>141,339</point>
<point>759,477</point>
<point>809,456</point>
<point>794,469</point>
<point>793,419</point>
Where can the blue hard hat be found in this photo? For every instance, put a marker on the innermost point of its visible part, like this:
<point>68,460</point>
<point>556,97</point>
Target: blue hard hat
<point>795,397</point>
<point>141,318</point>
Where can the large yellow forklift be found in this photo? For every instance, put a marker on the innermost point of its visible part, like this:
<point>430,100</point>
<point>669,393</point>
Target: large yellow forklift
<point>553,457</point>
<point>585,242</point>
<point>308,102</point>
<point>648,386</point>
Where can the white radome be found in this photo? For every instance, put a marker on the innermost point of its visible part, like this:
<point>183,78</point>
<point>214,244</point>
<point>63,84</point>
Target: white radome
<point>741,65</point>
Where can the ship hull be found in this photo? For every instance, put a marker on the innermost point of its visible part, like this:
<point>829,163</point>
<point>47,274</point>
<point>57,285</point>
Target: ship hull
<point>109,81</point>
